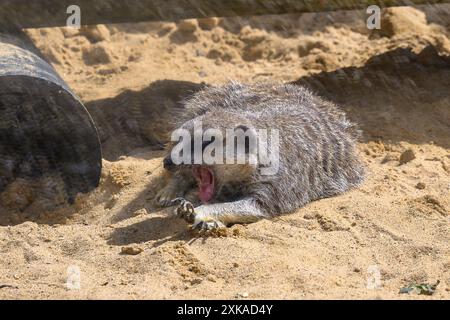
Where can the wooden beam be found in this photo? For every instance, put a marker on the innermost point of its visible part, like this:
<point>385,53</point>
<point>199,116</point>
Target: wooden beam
<point>50,13</point>
<point>49,144</point>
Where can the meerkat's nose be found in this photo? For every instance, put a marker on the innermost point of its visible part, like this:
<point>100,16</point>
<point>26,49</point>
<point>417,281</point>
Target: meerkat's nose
<point>168,163</point>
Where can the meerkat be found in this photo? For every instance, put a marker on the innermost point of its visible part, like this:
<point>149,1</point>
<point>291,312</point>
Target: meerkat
<point>317,155</point>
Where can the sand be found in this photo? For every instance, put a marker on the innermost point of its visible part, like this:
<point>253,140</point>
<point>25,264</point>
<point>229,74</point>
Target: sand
<point>396,227</point>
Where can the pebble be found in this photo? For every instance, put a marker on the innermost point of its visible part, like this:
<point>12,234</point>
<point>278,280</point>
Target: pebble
<point>130,250</point>
<point>96,54</point>
<point>188,26</point>
<point>407,156</point>
<point>208,23</point>
<point>242,295</point>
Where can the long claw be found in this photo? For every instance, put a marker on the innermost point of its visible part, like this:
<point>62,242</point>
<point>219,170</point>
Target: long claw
<point>206,226</point>
<point>178,200</point>
<point>185,209</point>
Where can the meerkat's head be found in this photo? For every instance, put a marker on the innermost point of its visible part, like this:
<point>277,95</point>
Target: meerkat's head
<point>219,150</point>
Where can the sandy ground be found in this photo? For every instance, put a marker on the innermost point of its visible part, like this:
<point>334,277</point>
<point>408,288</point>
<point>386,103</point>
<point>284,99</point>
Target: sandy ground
<point>394,83</point>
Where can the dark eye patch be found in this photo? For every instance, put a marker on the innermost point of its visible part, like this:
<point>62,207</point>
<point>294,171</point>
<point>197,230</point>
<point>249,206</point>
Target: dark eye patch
<point>206,143</point>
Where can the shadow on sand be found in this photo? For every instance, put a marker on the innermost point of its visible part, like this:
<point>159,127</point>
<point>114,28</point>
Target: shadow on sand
<point>396,96</point>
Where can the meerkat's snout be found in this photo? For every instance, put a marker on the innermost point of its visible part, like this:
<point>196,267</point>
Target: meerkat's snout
<point>168,163</point>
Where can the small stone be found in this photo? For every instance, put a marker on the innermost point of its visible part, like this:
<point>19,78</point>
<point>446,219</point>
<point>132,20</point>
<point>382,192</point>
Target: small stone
<point>130,250</point>
<point>420,186</point>
<point>95,33</point>
<point>214,54</point>
<point>188,26</point>
<point>242,295</point>
<point>96,54</point>
<point>407,156</point>
<point>207,23</point>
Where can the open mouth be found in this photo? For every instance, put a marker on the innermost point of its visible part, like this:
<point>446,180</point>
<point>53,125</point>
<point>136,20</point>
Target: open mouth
<point>205,181</point>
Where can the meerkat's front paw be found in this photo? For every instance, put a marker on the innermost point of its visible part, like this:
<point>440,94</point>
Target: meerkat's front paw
<point>200,222</point>
<point>165,196</point>
<point>185,209</point>
<point>207,224</point>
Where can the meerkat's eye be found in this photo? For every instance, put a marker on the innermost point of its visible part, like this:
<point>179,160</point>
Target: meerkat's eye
<point>206,143</point>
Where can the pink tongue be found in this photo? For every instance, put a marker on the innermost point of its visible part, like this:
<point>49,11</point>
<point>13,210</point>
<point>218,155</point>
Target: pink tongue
<point>206,185</point>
